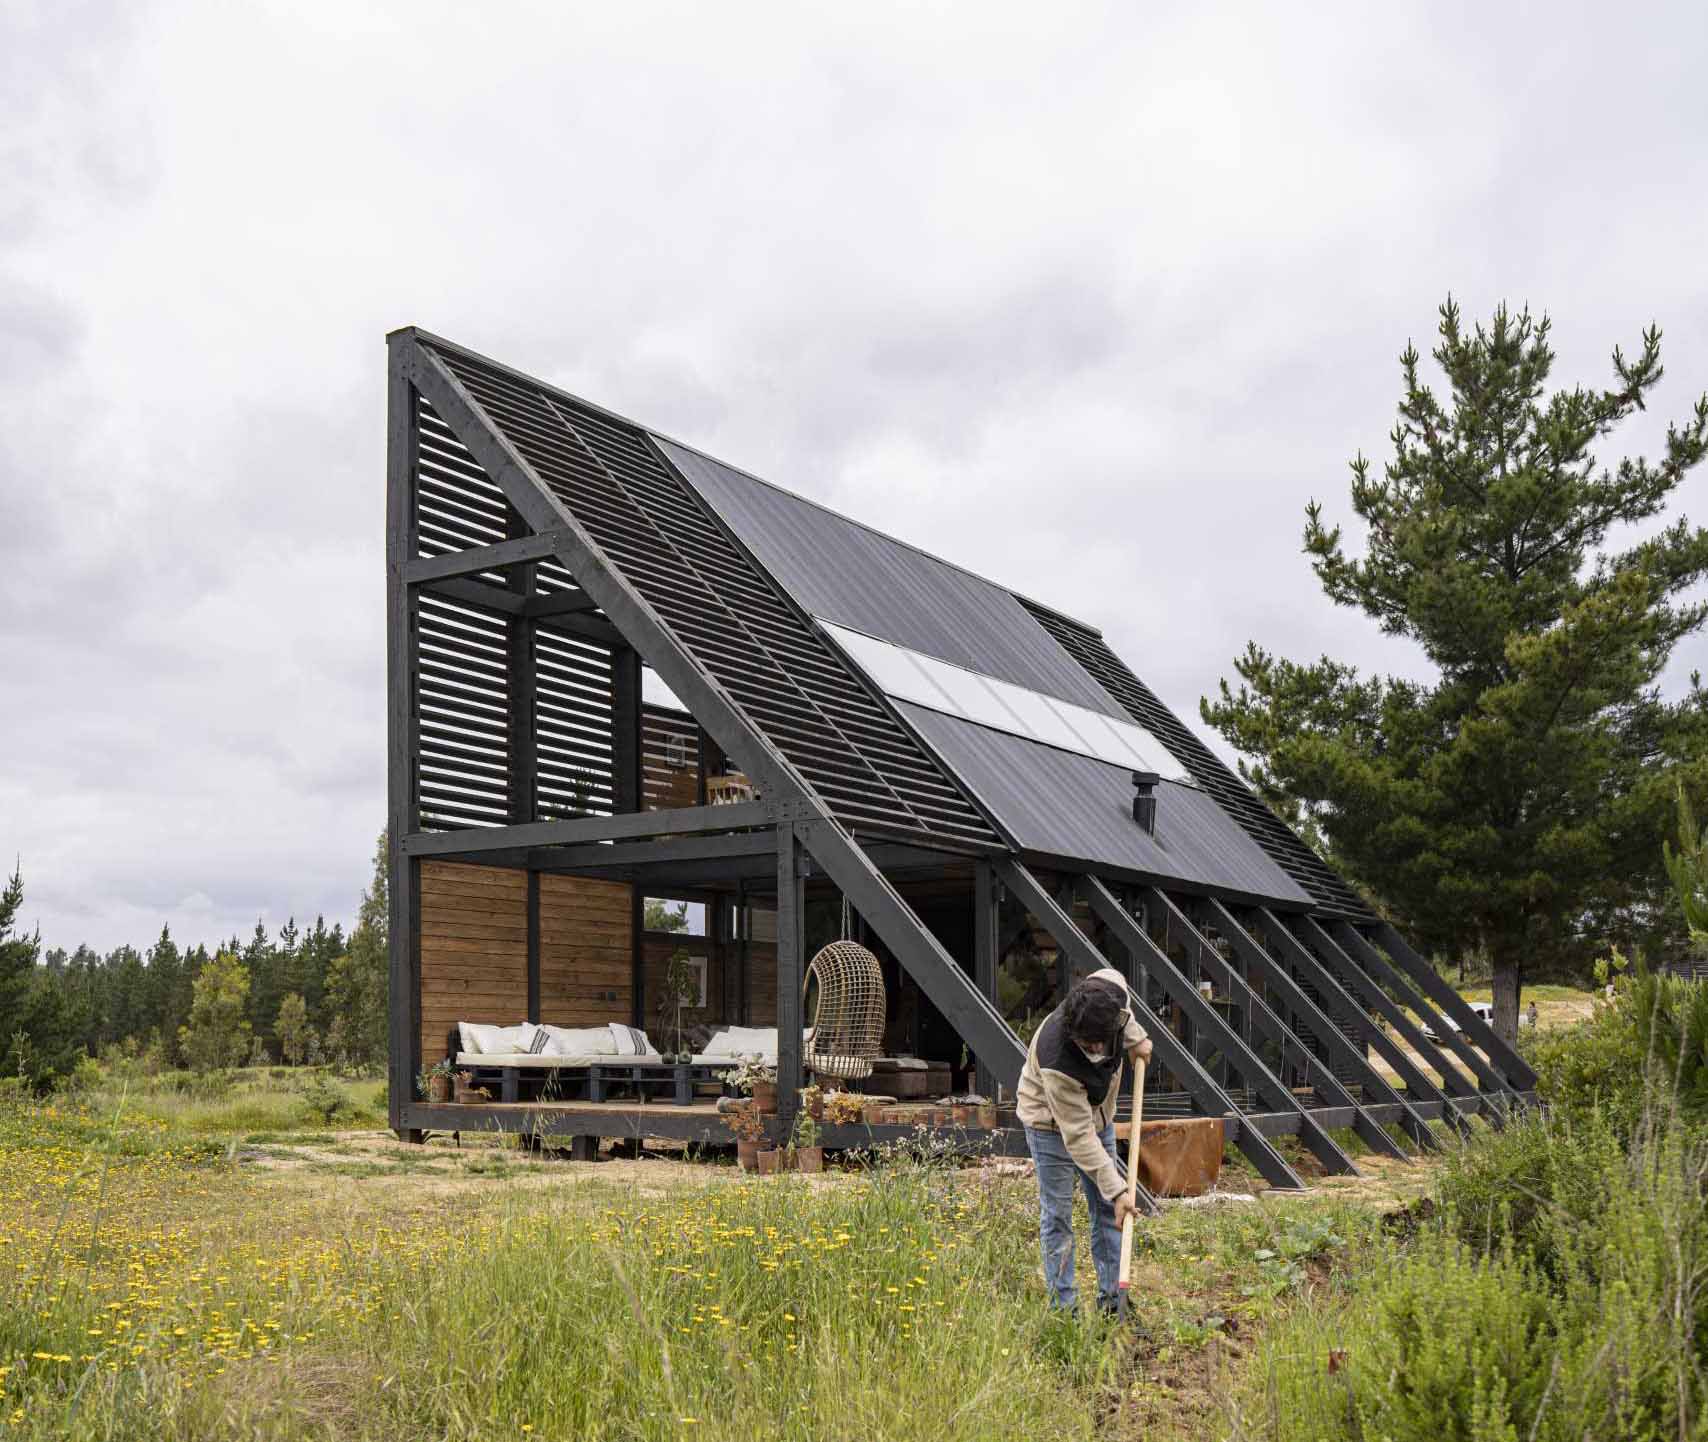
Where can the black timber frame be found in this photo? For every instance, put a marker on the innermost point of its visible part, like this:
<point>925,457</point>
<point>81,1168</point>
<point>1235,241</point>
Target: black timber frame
<point>787,798</point>
<point>542,574</point>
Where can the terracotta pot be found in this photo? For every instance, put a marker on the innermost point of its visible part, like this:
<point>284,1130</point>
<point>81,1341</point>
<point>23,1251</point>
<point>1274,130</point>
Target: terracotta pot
<point>438,1088</point>
<point>809,1159</point>
<point>765,1096</point>
<point>770,1162</point>
<point>963,1115</point>
<point>466,1096</point>
<point>987,1114</point>
<point>816,1110</point>
<point>877,1116</point>
<point>747,1155</point>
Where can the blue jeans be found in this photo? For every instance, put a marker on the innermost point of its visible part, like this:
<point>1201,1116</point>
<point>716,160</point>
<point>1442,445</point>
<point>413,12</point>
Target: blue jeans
<point>1056,1175</point>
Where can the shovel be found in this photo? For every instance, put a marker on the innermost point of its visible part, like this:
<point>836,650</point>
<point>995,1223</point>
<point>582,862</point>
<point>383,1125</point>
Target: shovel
<point>1137,1125</point>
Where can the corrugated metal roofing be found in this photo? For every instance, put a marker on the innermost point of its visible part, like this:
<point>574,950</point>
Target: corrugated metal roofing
<point>1237,799</point>
<point>1060,804</point>
<point>846,572</point>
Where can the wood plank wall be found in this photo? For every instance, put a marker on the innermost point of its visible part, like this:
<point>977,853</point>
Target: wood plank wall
<point>474,950</point>
<point>586,964</point>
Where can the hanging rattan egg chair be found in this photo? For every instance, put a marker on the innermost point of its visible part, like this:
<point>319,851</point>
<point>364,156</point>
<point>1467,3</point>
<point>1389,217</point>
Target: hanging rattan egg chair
<point>848,1022</point>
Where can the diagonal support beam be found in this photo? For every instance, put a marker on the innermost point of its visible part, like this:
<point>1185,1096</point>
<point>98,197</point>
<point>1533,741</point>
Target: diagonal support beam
<point>1453,1083</point>
<point>1492,1086</point>
<point>1297,1003</point>
<point>1265,1021</point>
<point>1206,1018</point>
<point>1177,1058</point>
<point>1418,1087</point>
<point>1519,1074</point>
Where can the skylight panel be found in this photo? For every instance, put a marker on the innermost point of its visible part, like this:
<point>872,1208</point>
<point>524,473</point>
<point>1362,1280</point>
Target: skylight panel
<point>1002,706</point>
<point>1115,743</point>
<point>972,696</point>
<point>895,671</point>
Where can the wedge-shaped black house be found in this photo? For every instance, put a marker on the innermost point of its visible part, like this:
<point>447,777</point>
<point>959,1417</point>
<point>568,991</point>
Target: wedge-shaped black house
<point>863,741</point>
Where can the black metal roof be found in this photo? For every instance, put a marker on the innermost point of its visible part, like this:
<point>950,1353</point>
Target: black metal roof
<point>1058,804</point>
<point>849,573</point>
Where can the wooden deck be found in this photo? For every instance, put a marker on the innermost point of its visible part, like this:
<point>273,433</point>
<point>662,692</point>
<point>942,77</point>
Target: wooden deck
<point>696,1123</point>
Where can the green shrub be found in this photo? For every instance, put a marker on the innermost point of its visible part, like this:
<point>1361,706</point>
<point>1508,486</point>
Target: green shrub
<point>1527,1185</point>
<point>327,1100</point>
<point>1641,1057</point>
<point>1446,1344</point>
<point>84,1078</point>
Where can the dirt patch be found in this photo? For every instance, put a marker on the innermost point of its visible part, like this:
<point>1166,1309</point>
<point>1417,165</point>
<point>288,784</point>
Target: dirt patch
<point>1385,1183</point>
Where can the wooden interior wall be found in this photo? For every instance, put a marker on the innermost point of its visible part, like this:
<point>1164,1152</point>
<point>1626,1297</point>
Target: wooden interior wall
<point>586,966</point>
<point>474,948</point>
<point>670,751</point>
<point>658,948</point>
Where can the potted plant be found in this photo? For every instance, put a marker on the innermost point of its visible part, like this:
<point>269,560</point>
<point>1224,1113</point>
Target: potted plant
<point>755,1078</point>
<point>812,1101</point>
<point>465,1092</point>
<point>809,1155</point>
<point>749,1129</point>
<point>770,1160</point>
<point>844,1108</point>
<point>435,1080</point>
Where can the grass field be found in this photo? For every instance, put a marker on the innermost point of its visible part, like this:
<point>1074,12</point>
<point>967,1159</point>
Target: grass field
<point>173,1280</point>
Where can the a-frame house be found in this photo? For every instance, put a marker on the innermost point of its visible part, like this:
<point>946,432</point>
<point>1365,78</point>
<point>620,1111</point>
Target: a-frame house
<point>951,764</point>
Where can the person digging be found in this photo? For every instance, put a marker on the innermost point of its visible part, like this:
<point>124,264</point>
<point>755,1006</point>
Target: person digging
<point>1066,1102</point>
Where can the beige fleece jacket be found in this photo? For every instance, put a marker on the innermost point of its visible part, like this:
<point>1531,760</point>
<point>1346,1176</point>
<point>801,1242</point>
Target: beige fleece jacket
<point>1049,1100</point>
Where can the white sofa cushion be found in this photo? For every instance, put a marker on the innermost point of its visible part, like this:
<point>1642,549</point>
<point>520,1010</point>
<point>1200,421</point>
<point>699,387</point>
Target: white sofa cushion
<point>740,1041</point>
<point>631,1040</point>
<point>480,1038</point>
<point>579,1041</point>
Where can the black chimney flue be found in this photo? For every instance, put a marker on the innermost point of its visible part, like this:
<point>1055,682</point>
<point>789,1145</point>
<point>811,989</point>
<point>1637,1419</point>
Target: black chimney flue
<point>1144,799</point>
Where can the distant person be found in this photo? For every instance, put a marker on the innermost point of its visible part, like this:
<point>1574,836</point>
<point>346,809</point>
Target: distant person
<point>1530,1013</point>
<point>1066,1102</point>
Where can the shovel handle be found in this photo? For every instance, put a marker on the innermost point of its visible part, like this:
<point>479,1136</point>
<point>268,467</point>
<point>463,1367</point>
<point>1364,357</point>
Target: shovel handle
<point>1135,1127</point>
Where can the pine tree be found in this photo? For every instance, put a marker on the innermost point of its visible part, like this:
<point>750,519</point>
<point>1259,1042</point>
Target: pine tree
<point>1516,803</point>
<point>293,1028</point>
<point>166,986</point>
<point>40,1021</point>
<point>358,984</point>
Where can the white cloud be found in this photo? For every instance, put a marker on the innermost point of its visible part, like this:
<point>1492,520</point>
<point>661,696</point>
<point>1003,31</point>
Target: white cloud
<point>1089,298</point>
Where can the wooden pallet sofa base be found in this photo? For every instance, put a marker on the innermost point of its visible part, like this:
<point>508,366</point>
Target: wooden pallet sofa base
<point>598,1082</point>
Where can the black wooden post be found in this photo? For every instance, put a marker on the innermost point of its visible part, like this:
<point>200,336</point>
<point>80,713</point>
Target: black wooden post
<point>402,748</point>
<point>985,927</point>
<point>637,958</point>
<point>791,943</point>
<point>534,947</point>
<point>626,745</point>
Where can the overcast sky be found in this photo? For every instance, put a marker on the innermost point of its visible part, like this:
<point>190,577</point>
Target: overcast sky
<point>1089,299</point>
